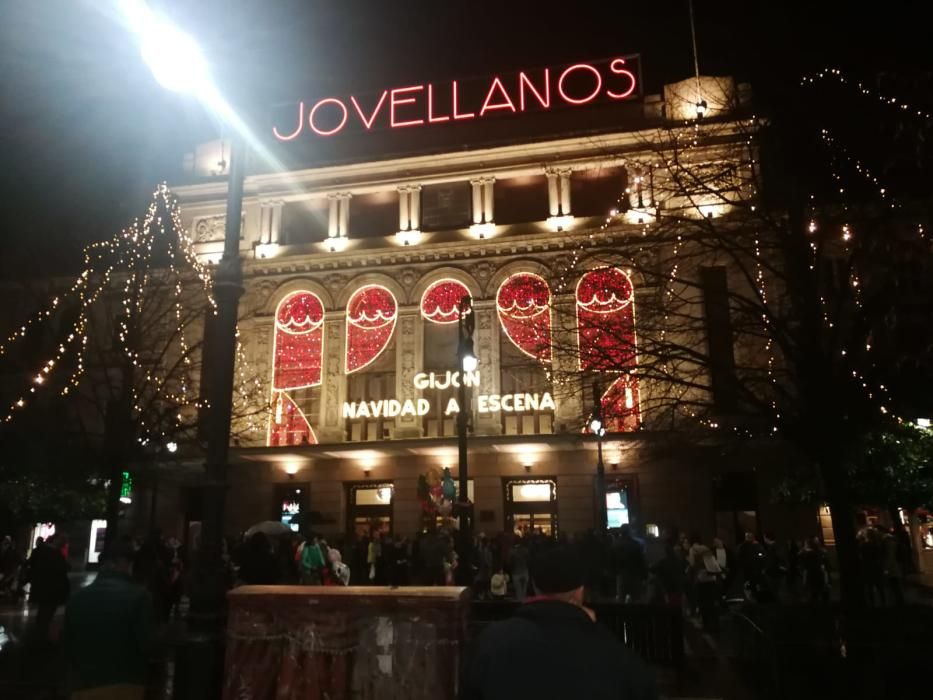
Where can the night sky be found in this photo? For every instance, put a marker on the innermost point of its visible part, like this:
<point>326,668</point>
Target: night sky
<point>85,130</point>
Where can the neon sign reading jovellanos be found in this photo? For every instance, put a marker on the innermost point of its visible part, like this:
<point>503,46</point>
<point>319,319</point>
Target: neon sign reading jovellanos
<point>427,104</point>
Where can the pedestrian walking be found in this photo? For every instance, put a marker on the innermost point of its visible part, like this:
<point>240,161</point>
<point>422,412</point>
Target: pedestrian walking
<point>109,631</point>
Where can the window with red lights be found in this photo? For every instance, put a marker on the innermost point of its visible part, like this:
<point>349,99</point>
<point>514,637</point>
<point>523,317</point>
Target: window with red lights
<point>605,301</point>
<point>296,369</point>
<point>371,317</point>
<point>440,306</point>
<point>523,306</point>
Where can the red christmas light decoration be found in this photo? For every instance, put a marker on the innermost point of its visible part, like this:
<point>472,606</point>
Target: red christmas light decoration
<point>289,425</point>
<point>440,302</point>
<point>620,404</point>
<point>606,320</point>
<point>299,332</point>
<point>371,315</point>
<point>606,337</point>
<point>524,306</point>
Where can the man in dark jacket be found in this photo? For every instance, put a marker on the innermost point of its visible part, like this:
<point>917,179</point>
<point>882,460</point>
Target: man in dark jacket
<point>110,629</point>
<point>48,579</point>
<point>553,648</point>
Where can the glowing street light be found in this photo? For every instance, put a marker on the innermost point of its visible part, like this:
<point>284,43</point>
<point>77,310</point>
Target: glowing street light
<point>598,428</point>
<point>173,56</point>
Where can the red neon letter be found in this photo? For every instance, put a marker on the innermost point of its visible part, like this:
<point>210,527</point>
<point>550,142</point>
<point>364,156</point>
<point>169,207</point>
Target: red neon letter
<point>499,105</point>
<point>457,115</point>
<point>343,120</point>
<point>431,118</point>
<point>408,100</point>
<point>368,123</point>
<point>301,124</point>
<point>584,100</point>
<point>524,80</point>
<point>617,67</point>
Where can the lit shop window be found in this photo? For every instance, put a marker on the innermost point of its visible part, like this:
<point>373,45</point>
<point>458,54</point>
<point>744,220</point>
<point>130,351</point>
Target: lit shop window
<point>531,506</point>
<point>95,543</point>
<point>291,508</point>
<point>607,344</point>
<point>617,513</point>
<point>369,509</point>
<point>296,368</point>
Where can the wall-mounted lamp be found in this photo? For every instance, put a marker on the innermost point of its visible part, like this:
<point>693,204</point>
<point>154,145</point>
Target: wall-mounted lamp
<point>367,471</point>
<point>615,466</point>
<point>528,469</point>
<point>291,469</point>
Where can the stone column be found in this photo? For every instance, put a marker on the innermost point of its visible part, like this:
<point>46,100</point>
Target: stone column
<point>344,229</point>
<point>265,222</point>
<point>403,216</point>
<point>415,207</point>
<point>477,201</point>
<point>552,199</point>
<point>330,427</point>
<point>333,204</point>
<point>488,199</point>
<point>565,192</point>
<point>275,222</point>
<point>409,358</point>
<point>565,362</point>
<point>486,344</point>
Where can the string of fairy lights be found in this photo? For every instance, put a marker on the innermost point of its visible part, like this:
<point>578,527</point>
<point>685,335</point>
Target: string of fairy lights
<point>839,153</point>
<point>125,264</point>
<point>836,75</point>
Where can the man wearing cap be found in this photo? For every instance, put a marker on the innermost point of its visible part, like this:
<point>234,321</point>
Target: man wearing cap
<point>553,647</point>
<point>109,631</point>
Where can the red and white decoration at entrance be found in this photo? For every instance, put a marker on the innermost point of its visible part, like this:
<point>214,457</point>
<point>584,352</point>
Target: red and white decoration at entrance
<point>606,339</point>
<point>440,302</point>
<point>523,303</point>
<point>371,315</point>
<point>289,424</point>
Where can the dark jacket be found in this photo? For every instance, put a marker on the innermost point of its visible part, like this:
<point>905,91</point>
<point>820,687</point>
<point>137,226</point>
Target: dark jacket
<point>552,650</point>
<point>48,576</point>
<point>109,632</point>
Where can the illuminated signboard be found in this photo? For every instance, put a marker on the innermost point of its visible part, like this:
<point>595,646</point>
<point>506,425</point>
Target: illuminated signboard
<point>485,403</point>
<point>426,105</point>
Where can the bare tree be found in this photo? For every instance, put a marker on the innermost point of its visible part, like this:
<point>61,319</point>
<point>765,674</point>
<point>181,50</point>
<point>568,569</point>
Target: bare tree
<point>756,309</point>
<point>124,361</point>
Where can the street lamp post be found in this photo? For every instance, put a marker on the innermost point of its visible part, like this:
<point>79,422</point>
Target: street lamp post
<point>467,362</point>
<point>599,429</point>
<point>178,64</point>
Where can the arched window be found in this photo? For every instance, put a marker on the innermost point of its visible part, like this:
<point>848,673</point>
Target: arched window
<point>440,309</point>
<point>372,313</point>
<point>523,304</point>
<point>607,344</point>
<point>296,368</point>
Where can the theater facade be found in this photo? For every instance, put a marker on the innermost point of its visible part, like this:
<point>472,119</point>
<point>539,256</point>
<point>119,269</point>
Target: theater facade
<point>354,269</point>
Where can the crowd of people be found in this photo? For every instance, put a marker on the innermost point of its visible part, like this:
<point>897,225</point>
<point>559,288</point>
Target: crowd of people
<point>665,567</point>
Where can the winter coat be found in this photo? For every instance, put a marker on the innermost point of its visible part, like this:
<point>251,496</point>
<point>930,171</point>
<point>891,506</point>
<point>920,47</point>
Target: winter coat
<point>552,649</point>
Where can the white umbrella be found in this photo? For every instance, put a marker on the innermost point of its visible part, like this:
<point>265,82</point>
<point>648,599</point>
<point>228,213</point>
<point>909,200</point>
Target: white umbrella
<point>268,527</point>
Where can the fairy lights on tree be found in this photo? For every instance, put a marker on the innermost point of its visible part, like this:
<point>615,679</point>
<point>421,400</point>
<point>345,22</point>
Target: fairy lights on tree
<point>141,303</point>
